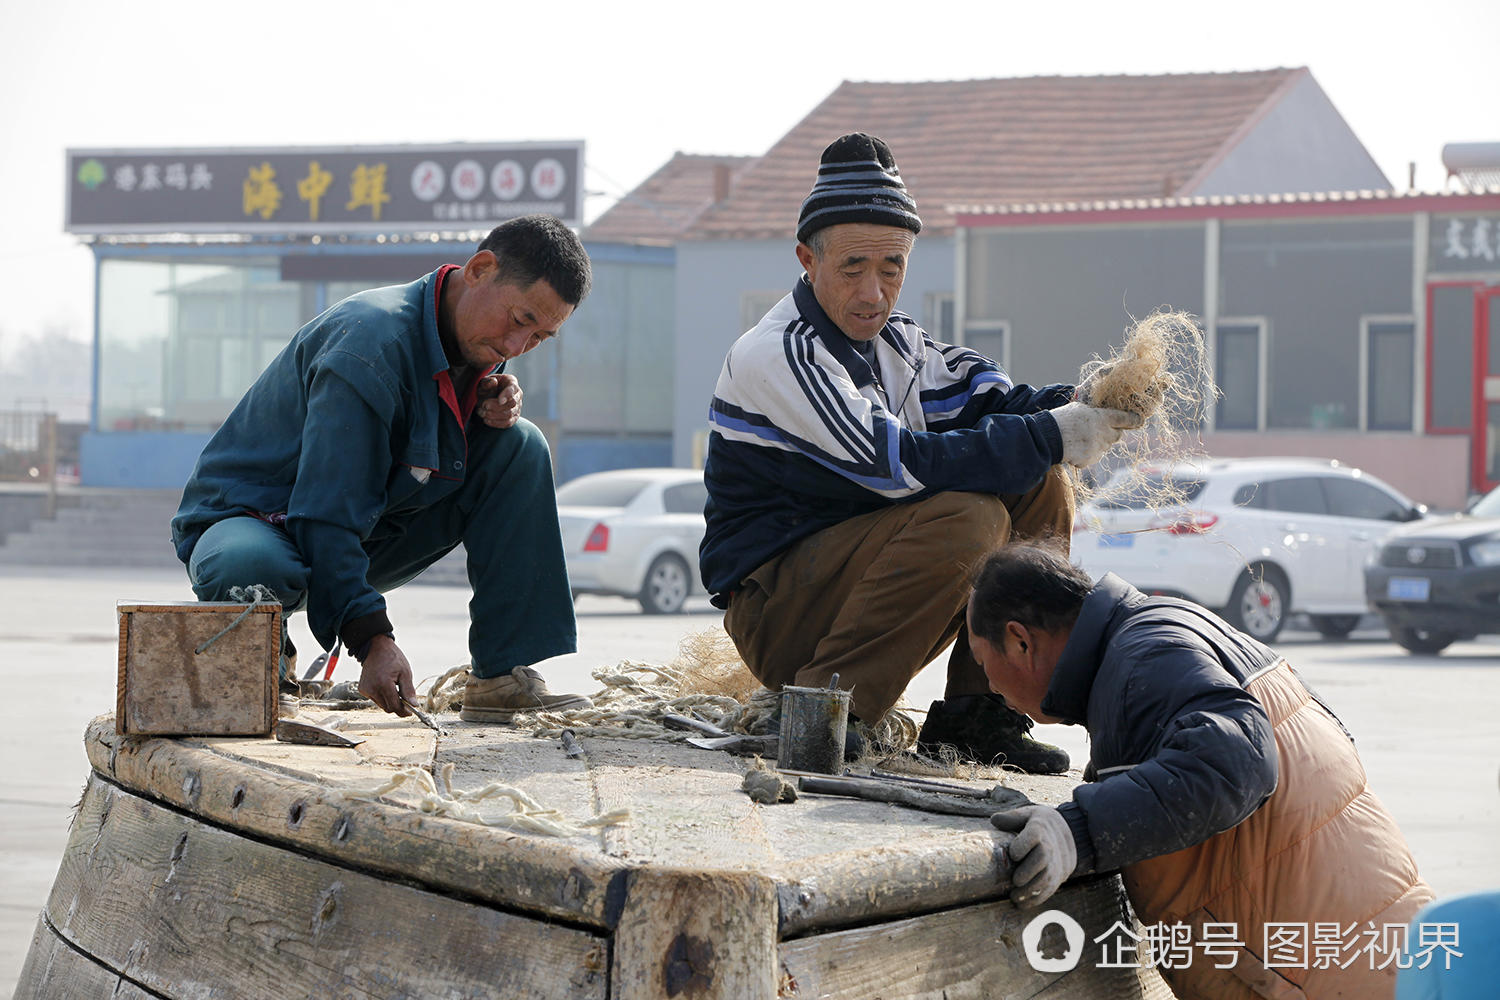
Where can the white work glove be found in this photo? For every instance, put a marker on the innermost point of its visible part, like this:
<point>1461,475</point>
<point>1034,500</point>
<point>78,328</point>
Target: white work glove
<point>1089,431</point>
<point>1043,852</point>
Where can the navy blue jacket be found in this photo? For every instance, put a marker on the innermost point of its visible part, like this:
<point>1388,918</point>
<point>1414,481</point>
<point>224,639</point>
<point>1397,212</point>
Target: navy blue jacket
<point>354,419</point>
<point>807,434</point>
<point>1179,749</point>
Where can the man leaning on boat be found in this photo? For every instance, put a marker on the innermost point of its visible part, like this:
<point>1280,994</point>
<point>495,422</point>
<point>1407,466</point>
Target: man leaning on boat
<point>1229,796</point>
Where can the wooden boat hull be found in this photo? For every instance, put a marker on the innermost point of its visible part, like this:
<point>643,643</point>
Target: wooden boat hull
<point>237,868</point>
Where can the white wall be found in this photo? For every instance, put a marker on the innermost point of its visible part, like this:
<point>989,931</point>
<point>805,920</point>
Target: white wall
<point>1302,144</point>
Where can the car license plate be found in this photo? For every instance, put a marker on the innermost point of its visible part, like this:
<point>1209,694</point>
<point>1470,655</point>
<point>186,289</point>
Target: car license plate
<point>1408,588</point>
<point>1116,541</point>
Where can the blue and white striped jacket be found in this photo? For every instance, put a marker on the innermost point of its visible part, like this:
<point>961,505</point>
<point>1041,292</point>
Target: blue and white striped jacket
<point>804,435</point>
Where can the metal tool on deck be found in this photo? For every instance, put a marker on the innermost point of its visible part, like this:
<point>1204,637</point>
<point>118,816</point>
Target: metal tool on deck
<point>740,744</point>
<point>899,793</point>
<point>814,722</point>
<point>997,792</point>
<point>715,738</point>
<point>313,690</point>
<point>571,747</point>
<point>315,667</point>
<point>312,687</point>
<point>687,723</point>
<point>307,734</point>
<point>424,718</point>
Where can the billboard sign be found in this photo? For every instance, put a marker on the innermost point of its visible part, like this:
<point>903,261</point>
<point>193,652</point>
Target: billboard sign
<point>1464,243</point>
<point>341,189</point>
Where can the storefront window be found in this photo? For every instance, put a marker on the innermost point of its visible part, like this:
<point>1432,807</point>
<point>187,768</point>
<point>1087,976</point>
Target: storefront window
<point>614,355</point>
<point>180,343</point>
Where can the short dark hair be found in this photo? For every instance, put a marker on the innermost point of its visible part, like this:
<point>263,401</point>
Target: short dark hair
<point>540,246</point>
<point>1033,585</point>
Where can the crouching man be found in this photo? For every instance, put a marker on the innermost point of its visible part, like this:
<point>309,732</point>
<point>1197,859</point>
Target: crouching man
<point>1222,787</point>
<point>857,471</point>
<point>382,436</point>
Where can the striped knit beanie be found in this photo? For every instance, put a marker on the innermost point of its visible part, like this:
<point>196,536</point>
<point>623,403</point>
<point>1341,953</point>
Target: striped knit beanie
<point>858,181</point>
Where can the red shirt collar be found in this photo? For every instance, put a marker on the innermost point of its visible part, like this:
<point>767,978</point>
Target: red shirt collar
<point>446,391</point>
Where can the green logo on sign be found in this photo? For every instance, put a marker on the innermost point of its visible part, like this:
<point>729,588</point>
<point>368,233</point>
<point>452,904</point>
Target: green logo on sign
<point>91,174</point>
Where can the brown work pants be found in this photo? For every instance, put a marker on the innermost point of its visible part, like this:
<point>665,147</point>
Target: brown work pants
<point>876,598</point>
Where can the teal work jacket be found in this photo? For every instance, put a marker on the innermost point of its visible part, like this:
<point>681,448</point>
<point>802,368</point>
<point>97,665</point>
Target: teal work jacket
<point>356,419</point>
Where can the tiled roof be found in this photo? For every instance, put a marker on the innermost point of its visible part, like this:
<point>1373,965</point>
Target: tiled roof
<point>1010,141</point>
<point>668,202</point>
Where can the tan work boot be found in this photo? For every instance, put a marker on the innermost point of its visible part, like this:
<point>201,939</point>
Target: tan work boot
<point>499,699</point>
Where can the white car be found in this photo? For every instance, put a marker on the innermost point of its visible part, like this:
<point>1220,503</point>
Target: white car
<point>634,533</point>
<point>1255,539</point>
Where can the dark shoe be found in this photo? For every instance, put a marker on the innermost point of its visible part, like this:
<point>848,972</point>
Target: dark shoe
<point>983,729</point>
<point>859,739</point>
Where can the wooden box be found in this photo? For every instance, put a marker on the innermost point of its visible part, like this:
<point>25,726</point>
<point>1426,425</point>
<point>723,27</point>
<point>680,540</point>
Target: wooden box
<point>167,688</point>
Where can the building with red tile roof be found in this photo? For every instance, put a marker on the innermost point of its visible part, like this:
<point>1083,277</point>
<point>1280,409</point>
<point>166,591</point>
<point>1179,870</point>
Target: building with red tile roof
<point>1004,141</point>
<point>666,204</point>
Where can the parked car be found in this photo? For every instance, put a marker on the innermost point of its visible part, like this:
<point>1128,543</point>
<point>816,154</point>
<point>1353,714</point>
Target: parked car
<point>1255,539</point>
<point>1439,581</point>
<point>634,533</point>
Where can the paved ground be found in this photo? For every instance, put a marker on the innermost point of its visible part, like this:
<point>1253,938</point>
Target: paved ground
<point>1426,726</point>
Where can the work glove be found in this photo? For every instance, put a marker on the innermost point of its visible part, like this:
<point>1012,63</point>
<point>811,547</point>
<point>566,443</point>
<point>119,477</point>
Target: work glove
<point>1043,852</point>
<point>1089,431</point>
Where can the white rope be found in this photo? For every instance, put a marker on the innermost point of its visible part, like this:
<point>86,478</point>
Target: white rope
<point>447,690</point>
<point>525,813</point>
<point>634,696</point>
<point>631,703</point>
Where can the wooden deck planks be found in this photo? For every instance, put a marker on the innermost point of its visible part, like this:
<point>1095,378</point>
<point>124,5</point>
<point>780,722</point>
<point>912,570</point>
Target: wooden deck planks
<point>227,917</point>
<point>838,861</point>
<point>538,767</point>
<point>686,802</point>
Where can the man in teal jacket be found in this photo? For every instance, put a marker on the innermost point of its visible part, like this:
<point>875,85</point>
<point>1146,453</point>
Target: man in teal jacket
<point>381,437</point>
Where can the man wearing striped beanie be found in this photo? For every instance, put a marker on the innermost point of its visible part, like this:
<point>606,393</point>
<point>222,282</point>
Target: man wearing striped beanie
<point>858,472</point>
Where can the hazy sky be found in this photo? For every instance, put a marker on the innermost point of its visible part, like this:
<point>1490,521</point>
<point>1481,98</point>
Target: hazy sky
<point>637,81</point>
